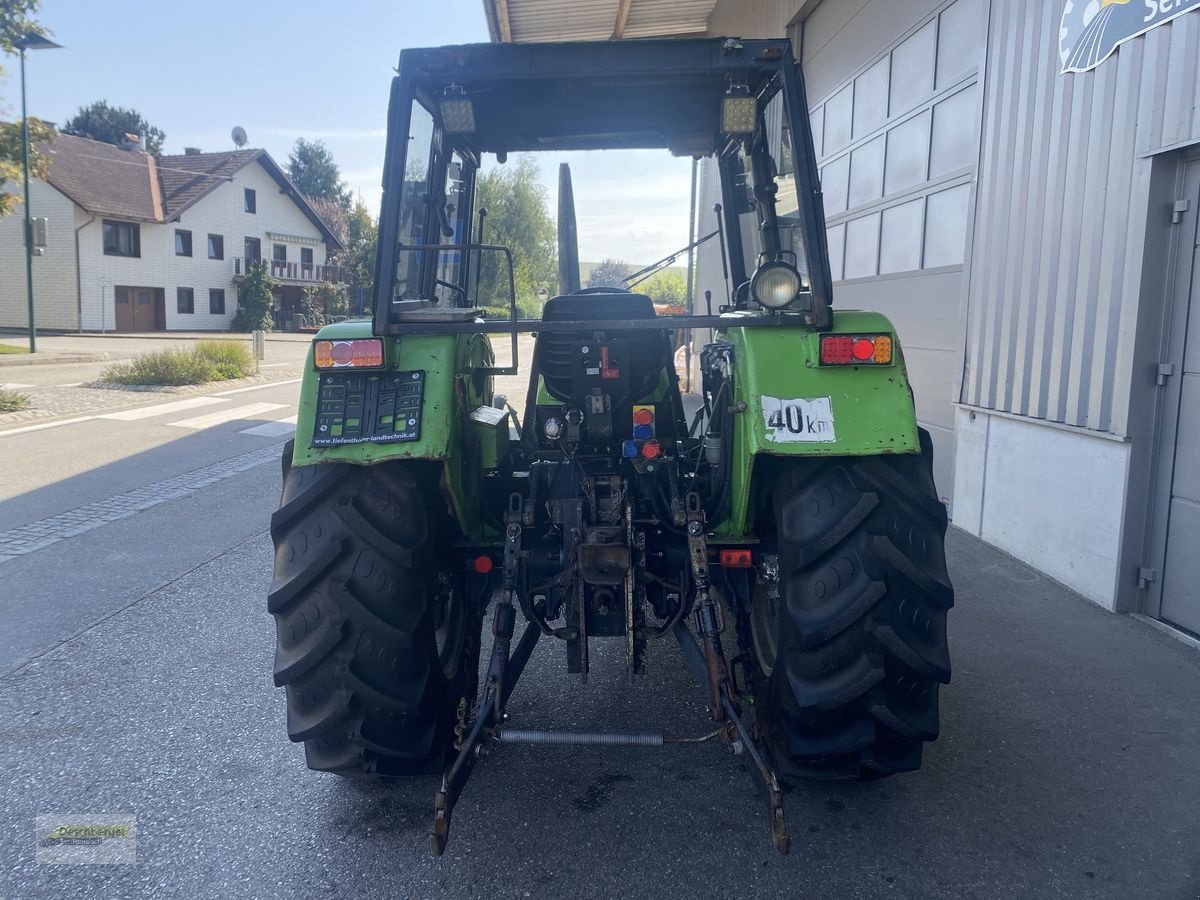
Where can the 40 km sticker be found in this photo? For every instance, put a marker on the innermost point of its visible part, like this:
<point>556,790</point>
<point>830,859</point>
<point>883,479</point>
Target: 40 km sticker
<point>799,421</point>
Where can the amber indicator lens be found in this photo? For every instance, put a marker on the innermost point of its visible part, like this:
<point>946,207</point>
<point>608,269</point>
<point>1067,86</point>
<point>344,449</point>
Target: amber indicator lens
<point>364,353</point>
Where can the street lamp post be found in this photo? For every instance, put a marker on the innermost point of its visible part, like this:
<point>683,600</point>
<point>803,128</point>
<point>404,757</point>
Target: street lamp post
<point>29,42</point>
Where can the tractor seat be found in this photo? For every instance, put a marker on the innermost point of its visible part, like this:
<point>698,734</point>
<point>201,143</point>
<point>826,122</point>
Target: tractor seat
<point>596,304</point>
<point>644,352</point>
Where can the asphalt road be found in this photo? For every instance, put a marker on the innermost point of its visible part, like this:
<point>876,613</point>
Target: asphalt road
<point>135,678</point>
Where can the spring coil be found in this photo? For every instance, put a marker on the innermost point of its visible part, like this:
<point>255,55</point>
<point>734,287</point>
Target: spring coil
<point>589,738</point>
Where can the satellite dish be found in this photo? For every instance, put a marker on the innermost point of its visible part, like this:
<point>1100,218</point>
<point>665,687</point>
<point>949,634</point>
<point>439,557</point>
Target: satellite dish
<point>239,136</point>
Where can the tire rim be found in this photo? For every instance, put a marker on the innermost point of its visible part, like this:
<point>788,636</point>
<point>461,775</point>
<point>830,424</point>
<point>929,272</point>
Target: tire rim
<point>449,621</point>
<point>764,626</point>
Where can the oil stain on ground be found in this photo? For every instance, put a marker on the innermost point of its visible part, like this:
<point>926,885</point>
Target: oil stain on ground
<point>598,792</point>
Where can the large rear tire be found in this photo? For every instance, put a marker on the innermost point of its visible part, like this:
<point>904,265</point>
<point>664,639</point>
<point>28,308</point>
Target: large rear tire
<point>377,641</point>
<point>850,652</point>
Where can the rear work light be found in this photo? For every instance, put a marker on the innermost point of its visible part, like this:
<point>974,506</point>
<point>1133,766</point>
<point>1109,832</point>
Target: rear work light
<point>365,353</point>
<point>856,349</point>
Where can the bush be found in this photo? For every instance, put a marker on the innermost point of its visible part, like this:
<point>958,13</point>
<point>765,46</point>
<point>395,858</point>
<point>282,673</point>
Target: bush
<point>207,361</point>
<point>255,302</point>
<point>11,401</point>
<point>229,359</point>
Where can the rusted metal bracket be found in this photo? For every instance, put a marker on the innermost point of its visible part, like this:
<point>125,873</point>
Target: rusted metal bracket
<point>502,675</point>
<point>710,621</point>
<point>741,742</point>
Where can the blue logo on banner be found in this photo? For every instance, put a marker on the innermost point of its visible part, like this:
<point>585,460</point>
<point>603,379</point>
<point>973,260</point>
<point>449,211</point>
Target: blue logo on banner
<point>1092,29</point>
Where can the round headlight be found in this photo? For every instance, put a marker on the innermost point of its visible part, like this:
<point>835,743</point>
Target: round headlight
<point>775,285</point>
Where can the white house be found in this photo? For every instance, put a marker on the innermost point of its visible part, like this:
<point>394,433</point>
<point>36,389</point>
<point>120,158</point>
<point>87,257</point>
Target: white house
<point>143,243</point>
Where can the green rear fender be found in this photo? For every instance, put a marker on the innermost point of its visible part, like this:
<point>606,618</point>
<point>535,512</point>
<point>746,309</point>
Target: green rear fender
<point>788,405</point>
<point>454,386</point>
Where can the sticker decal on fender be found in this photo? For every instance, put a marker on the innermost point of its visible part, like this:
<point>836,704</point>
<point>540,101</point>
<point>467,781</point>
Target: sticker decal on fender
<point>799,421</point>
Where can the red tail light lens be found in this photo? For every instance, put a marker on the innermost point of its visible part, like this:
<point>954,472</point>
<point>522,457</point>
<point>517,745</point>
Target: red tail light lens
<point>365,353</point>
<point>856,349</point>
<point>736,558</point>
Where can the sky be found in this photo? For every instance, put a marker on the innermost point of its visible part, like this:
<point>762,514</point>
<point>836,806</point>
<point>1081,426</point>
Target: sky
<point>318,71</point>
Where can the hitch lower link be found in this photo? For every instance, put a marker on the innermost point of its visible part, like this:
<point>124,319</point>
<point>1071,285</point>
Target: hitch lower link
<point>707,664</point>
<point>502,674</point>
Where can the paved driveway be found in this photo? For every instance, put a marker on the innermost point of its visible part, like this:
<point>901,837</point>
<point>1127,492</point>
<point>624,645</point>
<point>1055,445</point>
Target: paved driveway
<point>1067,767</point>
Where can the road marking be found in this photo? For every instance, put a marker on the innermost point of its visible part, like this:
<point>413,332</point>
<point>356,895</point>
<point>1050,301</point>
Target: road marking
<point>227,415</point>
<point>51,530</point>
<point>44,425</point>
<point>14,385</point>
<point>258,387</point>
<point>272,429</point>
<point>161,409</point>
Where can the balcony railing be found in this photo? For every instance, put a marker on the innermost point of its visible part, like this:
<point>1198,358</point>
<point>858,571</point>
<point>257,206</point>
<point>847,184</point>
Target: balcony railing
<point>301,273</point>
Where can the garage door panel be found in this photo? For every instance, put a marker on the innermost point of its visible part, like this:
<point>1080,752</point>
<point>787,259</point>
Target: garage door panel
<point>1181,580</point>
<point>1187,443</point>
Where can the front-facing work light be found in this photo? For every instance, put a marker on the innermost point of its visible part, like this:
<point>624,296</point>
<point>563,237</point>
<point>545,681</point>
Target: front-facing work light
<point>458,113</point>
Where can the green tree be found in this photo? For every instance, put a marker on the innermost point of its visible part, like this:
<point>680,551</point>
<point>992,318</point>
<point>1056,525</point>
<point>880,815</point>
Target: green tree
<point>312,169</point>
<point>323,301</point>
<point>16,21</point>
<point>665,286</point>
<point>40,136</point>
<point>518,218</point>
<point>363,234</point>
<point>110,124</point>
<point>609,273</point>
<point>255,300</point>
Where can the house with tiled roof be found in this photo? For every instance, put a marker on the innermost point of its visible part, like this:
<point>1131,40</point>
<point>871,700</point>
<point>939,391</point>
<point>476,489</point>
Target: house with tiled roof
<point>143,243</point>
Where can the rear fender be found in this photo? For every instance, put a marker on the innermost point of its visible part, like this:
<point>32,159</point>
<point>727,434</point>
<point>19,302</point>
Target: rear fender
<point>789,406</point>
<point>451,390</point>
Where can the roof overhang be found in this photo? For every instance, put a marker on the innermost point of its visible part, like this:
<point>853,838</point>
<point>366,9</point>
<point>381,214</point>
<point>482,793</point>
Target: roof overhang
<point>535,21</point>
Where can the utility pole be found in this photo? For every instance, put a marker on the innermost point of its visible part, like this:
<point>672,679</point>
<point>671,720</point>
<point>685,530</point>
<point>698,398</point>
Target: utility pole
<point>30,41</point>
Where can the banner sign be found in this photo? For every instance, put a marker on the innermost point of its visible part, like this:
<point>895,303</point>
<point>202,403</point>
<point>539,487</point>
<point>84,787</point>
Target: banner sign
<point>1092,29</point>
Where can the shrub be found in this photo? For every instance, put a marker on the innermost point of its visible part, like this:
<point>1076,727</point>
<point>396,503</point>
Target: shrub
<point>207,361</point>
<point>230,359</point>
<point>255,301</point>
<point>11,401</point>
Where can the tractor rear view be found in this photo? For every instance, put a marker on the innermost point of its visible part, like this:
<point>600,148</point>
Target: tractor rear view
<point>780,524</point>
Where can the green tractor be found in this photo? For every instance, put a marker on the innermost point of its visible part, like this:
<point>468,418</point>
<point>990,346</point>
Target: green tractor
<point>779,520</point>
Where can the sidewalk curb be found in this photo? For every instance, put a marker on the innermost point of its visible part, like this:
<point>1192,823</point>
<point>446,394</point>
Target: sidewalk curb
<point>279,337</point>
<point>45,359</point>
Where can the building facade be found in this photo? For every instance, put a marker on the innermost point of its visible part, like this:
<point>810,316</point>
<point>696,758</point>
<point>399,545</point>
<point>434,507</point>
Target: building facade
<point>1015,183</point>
<point>139,243</point>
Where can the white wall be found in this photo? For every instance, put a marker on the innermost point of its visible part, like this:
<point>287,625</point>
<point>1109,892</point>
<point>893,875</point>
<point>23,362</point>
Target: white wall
<point>220,212</point>
<point>1052,497</point>
<point>54,288</point>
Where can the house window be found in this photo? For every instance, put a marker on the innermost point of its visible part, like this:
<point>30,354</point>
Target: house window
<point>216,301</point>
<point>253,250</point>
<point>122,239</point>
<point>306,261</point>
<point>251,200</point>
<point>183,243</point>
<point>216,246</point>
<point>185,300</point>
<point>279,252</point>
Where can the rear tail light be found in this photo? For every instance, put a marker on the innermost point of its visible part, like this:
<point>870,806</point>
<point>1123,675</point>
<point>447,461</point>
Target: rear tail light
<point>736,558</point>
<point>364,353</point>
<point>856,349</point>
